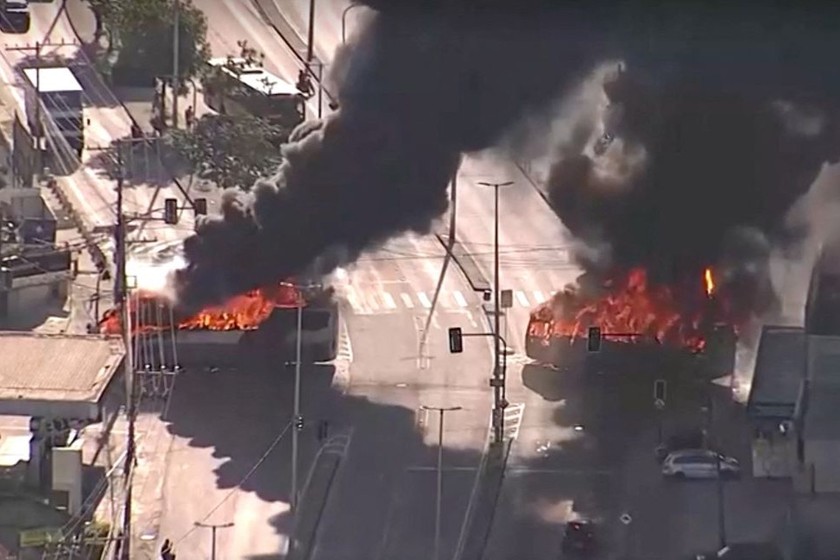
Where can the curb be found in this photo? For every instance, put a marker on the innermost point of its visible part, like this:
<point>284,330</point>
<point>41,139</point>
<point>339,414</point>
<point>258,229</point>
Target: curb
<point>480,523</point>
<point>316,493</point>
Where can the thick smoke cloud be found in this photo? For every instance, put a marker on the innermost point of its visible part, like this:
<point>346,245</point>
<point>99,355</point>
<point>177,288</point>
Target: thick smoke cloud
<point>715,141</point>
<point>423,85</point>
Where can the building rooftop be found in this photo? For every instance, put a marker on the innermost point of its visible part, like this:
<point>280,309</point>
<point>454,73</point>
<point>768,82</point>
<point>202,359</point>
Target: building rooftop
<point>822,415</point>
<point>60,375</point>
<point>51,80</point>
<point>779,371</point>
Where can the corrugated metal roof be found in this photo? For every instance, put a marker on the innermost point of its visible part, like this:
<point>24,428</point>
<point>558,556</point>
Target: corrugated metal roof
<point>779,369</point>
<point>56,367</point>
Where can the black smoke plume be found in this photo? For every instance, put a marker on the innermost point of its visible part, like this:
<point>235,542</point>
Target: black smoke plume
<point>428,82</point>
<point>714,142</point>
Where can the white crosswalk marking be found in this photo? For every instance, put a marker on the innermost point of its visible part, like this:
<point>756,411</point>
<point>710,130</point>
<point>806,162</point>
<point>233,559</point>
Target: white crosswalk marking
<point>459,298</point>
<point>522,298</point>
<point>407,301</point>
<point>424,300</point>
<point>538,295</point>
<point>388,299</point>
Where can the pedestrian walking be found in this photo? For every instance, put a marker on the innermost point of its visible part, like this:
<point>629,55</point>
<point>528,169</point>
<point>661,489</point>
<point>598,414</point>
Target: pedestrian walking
<point>189,117</point>
<point>166,551</point>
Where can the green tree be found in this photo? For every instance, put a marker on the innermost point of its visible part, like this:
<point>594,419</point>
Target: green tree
<point>230,151</point>
<point>141,31</point>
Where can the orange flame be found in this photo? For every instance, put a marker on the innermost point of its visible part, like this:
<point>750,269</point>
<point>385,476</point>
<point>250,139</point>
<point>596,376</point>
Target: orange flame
<point>709,281</point>
<point>631,310</point>
<point>243,312</point>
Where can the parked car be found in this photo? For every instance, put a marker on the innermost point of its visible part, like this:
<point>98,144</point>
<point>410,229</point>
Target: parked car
<point>699,463</point>
<point>689,439</point>
<point>579,538</point>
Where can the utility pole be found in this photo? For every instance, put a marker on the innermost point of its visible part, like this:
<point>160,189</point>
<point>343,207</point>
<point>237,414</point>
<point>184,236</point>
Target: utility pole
<point>176,86</point>
<point>298,419</point>
<point>213,528</point>
<point>498,381</point>
<point>123,301</point>
<point>439,498</point>
<point>310,40</point>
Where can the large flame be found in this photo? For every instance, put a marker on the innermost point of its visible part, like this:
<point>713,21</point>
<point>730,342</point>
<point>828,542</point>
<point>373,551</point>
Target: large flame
<point>632,309</point>
<point>247,311</point>
<point>709,281</point>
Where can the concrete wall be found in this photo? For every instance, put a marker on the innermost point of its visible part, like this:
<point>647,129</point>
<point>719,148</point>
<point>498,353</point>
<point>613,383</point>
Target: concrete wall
<point>774,457</point>
<point>822,458</point>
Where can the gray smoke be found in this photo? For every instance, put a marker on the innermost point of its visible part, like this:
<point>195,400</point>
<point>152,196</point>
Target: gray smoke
<point>426,83</point>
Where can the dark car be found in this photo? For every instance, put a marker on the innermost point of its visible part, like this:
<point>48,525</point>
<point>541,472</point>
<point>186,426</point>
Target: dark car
<point>579,538</point>
<point>743,551</point>
<point>689,439</point>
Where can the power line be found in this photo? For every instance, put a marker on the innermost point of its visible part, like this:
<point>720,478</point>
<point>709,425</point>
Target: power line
<point>236,488</point>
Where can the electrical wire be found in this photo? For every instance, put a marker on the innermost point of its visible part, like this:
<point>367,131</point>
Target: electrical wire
<point>236,488</point>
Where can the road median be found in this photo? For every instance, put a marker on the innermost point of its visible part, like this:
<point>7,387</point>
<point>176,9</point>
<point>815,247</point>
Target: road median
<point>313,499</point>
<point>482,509</point>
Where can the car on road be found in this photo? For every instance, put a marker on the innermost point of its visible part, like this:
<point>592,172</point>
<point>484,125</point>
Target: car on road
<point>579,538</point>
<point>687,439</point>
<point>699,463</point>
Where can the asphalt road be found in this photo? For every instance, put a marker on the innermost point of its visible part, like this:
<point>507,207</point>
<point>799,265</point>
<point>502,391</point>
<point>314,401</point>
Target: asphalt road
<point>386,297</point>
<point>89,185</point>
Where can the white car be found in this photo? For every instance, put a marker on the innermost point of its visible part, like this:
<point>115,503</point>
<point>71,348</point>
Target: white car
<point>699,463</point>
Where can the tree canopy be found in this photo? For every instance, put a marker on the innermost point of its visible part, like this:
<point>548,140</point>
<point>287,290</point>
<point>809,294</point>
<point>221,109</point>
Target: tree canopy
<point>141,31</point>
<point>230,151</point>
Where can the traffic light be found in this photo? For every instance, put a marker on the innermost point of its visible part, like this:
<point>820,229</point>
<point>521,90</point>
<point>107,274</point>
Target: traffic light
<point>299,423</point>
<point>170,211</point>
<point>200,206</point>
<point>593,341</point>
<point>456,340</point>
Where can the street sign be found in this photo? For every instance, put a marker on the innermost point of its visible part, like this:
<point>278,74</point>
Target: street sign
<point>659,404</point>
<point>625,518</point>
<point>506,297</point>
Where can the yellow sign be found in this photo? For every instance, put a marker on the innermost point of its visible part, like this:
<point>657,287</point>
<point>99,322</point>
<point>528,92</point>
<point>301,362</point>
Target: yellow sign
<point>39,537</point>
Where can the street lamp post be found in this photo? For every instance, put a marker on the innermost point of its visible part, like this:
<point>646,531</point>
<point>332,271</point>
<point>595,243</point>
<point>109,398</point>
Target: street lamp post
<point>441,411</point>
<point>344,21</point>
<point>498,380</point>
<point>213,528</point>
<point>176,40</point>
<point>297,417</point>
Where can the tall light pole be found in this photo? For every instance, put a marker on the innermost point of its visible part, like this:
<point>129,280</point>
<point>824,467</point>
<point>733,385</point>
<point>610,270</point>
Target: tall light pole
<point>441,411</point>
<point>297,417</point>
<point>498,380</point>
<point>176,32</point>
<point>344,21</point>
<point>213,528</point>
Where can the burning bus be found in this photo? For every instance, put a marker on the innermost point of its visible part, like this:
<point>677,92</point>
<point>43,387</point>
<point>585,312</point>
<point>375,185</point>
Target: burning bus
<point>268,316</point>
<point>686,321</point>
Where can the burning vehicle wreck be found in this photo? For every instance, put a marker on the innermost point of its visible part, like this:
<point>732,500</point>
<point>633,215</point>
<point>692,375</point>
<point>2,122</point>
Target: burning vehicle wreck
<point>262,320</point>
<point>693,321</point>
